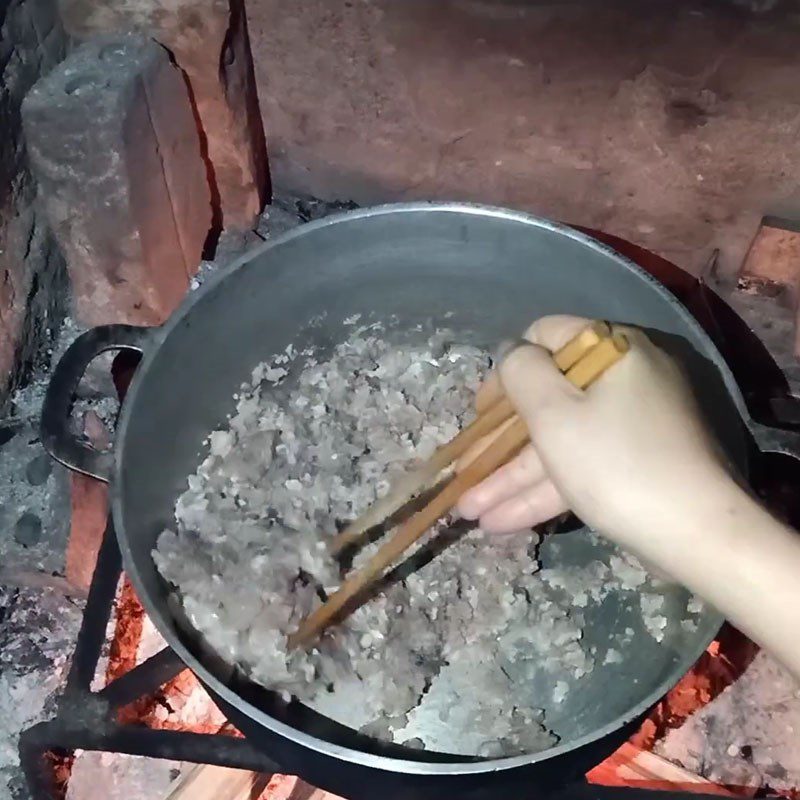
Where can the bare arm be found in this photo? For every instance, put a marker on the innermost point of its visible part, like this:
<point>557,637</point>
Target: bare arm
<point>744,562</point>
<point>633,458</point>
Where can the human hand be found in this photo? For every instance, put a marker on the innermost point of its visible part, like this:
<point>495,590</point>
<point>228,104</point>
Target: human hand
<point>628,455</point>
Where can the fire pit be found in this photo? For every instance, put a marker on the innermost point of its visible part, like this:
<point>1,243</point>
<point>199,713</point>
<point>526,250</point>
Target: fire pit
<point>692,292</point>
<point>644,121</point>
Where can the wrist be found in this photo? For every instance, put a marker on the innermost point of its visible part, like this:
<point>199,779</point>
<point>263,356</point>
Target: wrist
<point>712,537</point>
<point>687,518</point>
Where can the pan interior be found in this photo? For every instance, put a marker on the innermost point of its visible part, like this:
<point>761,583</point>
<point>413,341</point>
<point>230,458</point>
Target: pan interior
<point>483,275</point>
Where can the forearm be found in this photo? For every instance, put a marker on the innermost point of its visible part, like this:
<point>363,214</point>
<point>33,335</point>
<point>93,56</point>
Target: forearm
<point>735,555</point>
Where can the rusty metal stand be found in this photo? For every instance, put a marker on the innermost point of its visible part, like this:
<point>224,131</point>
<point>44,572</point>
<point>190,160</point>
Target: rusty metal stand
<point>85,720</point>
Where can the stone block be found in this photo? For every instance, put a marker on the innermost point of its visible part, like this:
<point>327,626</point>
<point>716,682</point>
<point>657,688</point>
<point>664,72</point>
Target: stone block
<point>210,43</point>
<point>113,144</point>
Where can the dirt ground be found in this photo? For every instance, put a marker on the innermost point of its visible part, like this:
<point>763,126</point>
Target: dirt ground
<point>675,125</point>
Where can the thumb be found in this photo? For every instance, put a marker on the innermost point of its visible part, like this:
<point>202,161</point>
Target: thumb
<point>533,382</point>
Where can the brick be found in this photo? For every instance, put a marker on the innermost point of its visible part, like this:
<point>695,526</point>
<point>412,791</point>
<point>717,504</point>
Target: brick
<point>772,266</point>
<point>774,254</point>
<point>114,146</point>
<point>210,43</point>
<point>89,499</point>
<point>282,787</point>
<point>89,514</point>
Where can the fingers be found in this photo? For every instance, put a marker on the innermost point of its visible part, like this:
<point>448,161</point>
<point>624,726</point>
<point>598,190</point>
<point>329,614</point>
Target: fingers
<point>554,332</point>
<point>532,506</point>
<point>520,473</point>
<point>481,445</point>
<point>532,381</point>
<point>489,392</point>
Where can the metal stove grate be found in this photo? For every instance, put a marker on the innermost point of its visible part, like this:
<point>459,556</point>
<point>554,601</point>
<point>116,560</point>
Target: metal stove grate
<point>84,719</point>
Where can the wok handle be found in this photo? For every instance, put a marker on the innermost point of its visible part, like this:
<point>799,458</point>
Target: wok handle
<point>775,440</point>
<point>54,429</point>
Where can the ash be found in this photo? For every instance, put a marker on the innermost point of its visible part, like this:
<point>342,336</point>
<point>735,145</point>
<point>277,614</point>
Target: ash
<point>450,639</point>
<point>38,628</point>
<point>747,736</point>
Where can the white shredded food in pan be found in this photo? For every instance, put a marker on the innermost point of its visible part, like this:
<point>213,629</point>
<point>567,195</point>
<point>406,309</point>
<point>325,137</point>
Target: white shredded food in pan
<point>310,446</point>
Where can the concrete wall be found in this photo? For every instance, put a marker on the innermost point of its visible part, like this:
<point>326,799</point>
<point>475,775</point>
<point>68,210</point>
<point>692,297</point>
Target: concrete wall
<point>675,125</point>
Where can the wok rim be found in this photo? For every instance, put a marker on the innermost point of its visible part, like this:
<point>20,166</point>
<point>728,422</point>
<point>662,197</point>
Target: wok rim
<point>166,625</point>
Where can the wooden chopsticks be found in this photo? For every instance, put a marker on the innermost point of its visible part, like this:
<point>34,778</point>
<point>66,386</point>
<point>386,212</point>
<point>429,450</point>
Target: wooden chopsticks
<point>498,411</point>
<point>419,478</point>
<point>582,360</point>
